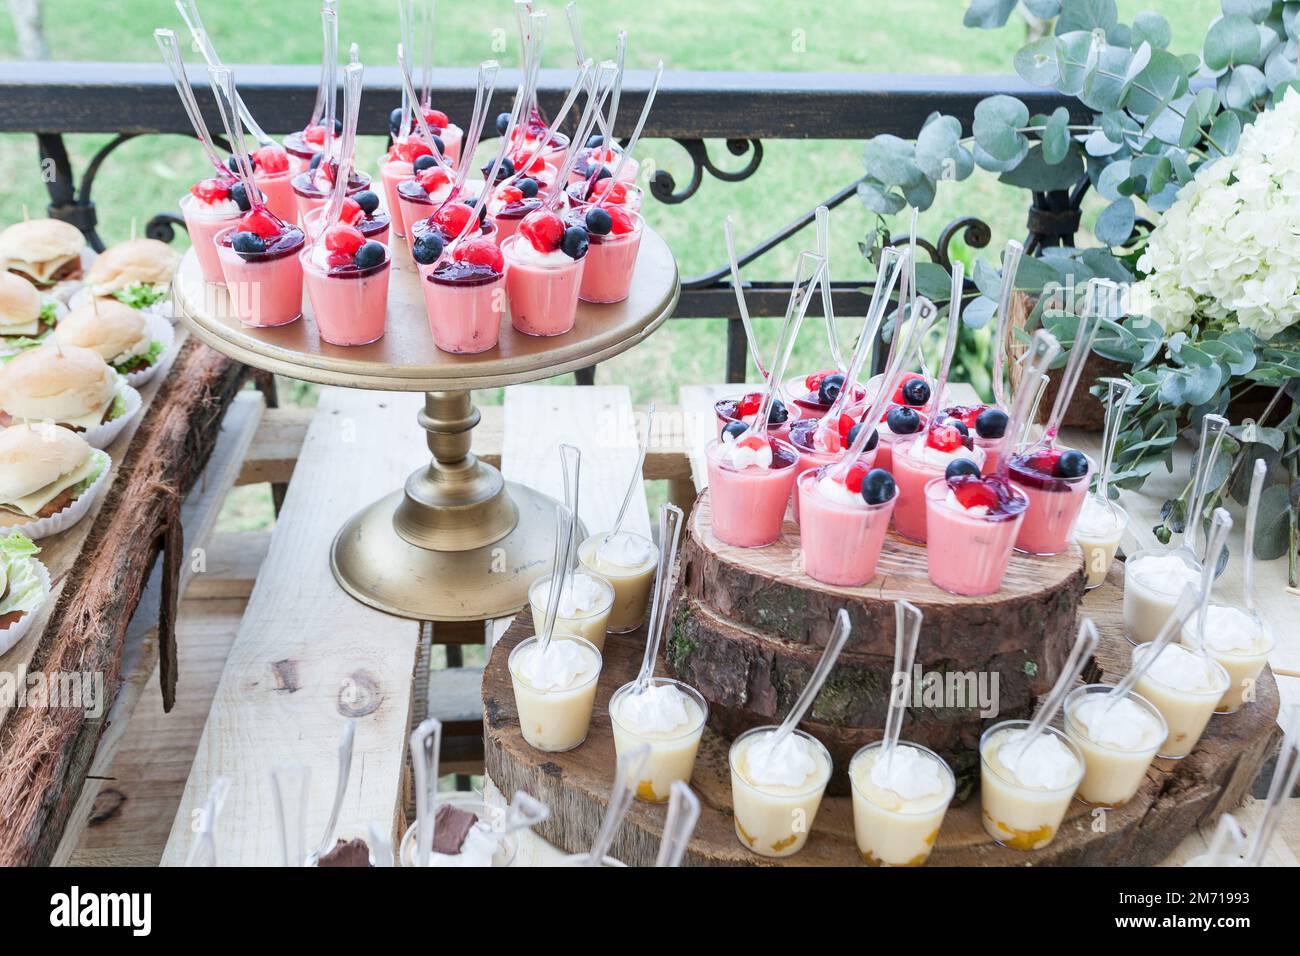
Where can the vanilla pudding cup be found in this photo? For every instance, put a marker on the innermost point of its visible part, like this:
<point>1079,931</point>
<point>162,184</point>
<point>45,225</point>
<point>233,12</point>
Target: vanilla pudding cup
<point>628,563</point>
<point>203,224</point>
<point>1118,744</point>
<point>967,553</point>
<point>1239,642</point>
<point>1184,690</point>
<point>840,536</point>
<point>554,695</point>
<point>584,607</point>
<point>749,502</point>
<point>1024,797</point>
<point>542,287</point>
<point>669,716</point>
<point>897,814</point>
<point>775,799</point>
<point>611,260</point>
<point>1153,582</point>
<point>1098,531</point>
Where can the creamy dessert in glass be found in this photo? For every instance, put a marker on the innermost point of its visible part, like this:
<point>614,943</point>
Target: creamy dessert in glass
<point>1024,794</point>
<point>1185,687</point>
<point>464,293</point>
<point>607,192</point>
<point>467,832</point>
<point>897,428</point>
<point>1118,740</point>
<point>554,691</point>
<point>921,461</point>
<point>1239,641</point>
<point>987,425</point>
<point>776,790</point>
<point>899,805</point>
<point>667,715</point>
<point>971,527</point>
<point>627,561</point>
<point>844,522</point>
<point>585,605</point>
<point>208,209</point>
<point>615,239</point>
<point>750,480</point>
<point>1153,582</point>
<point>544,264</point>
<point>1056,481</point>
<point>743,409</point>
<point>312,188</point>
<point>1098,531</point>
<point>260,261</point>
<point>347,282</point>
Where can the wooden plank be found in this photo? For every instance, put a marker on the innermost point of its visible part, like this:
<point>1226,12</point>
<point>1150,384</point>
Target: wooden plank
<point>275,448</point>
<point>199,516</point>
<point>303,643</point>
<point>233,559</point>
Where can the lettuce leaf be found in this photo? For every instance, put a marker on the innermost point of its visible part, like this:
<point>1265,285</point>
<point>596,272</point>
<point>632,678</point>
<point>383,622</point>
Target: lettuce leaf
<point>25,587</point>
<point>141,295</point>
<point>101,460</point>
<point>151,357</point>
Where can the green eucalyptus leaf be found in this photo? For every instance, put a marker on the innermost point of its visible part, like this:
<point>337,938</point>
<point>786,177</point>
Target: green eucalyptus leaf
<point>933,281</point>
<point>1056,136</point>
<point>1076,57</point>
<point>1273,525</point>
<point>1105,86</point>
<point>1044,9</point>
<point>1164,79</point>
<point>1280,68</point>
<point>1087,15</point>
<point>919,193</point>
<point>891,160</point>
<point>876,197</point>
<point>1099,144</point>
<point>984,161</point>
<point>939,153</point>
<point>978,312</point>
<point>1251,452</point>
<point>1035,173</point>
<point>997,124</point>
<point>1231,41</point>
<point>1256,10</point>
<point>1111,177</point>
<point>1115,224</point>
<point>1244,86</point>
<point>988,14</point>
<point>1039,62</point>
<point>1151,27</point>
<point>1225,133</point>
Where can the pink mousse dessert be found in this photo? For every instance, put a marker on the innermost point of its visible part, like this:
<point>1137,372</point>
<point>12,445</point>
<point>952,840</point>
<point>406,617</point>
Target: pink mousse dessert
<point>361,211</point>
<point>609,193</point>
<point>972,522</point>
<point>447,135</point>
<point>272,175</point>
<point>598,161</point>
<point>395,167</point>
<point>312,188</point>
<point>528,135</point>
<point>743,410</point>
<point>544,263</point>
<point>898,427</point>
<point>209,209</point>
<point>259,258</point>
<point>804,438</point>
<point>917,463</point>
<point>843,523</point>
<point>987,424</point>
<point>428,236</point>
<point>1056,482</point>
<point>425,194</point>
<point>814,394</point>
<point>615,237</point>
<point>465,295</point>
<point>750,481</point>
<point>347,282</point>
<point>302,147</point>
<point>510,203</point>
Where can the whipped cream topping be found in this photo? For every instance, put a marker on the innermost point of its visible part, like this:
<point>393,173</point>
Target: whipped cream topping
<point>838,492</point>
<point>477,851</point>
<point>624,550</point>
<point>952,502</point>
<point>1166,573</point>
<point>910,773</point>
<point>1183,670</point>
<point>565,664</point>
<point>219,209</point>
<point>525,252</point>
<point>1098,520</point>
<point>741,456</point>
<point>659,709</point>
<point>1046,764</point>
<point>921,451</point>
<point>582,594</point>
<point>787,763</point>
<point>1122,724</point>
<point>1229,630</point>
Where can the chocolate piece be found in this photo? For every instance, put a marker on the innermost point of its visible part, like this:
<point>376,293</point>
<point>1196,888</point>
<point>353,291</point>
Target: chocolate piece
<point>450,827</point>
<point>352,853</point>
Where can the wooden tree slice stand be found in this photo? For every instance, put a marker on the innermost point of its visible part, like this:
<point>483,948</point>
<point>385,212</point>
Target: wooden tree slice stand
<point>733,599</point>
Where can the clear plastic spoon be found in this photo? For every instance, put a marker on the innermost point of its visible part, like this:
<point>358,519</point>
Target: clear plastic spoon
<point>1248,548</point>
<point>571,467</point>
<point>329,74</point>
<point>425,133</point>
<point>604,76</point>
<point>426,55</point>
<point>488,72</point>
<point>560,567</point>
<point>1227,844</point>
<point>189,11</point>
<point>381,846</point>
<point>1043,349</point>
<point>340,791</point>
<point>203,851</point>
<point>839,637</point>
<point>352,77</point>
<point>627,771</point>
<point>728,232</point>
<point>1188,601</point>
<point>823,225</point>
<point>906,288</point>
<point>223,88</point>
<point>575,32</point>
<point>1118,391</point>
<point>940,383</point>
<point>1085,645</point>
<point>290,785</point>
<point>426,746</point>
<point>579,84</point>
<point>1220,525</point>
<point>620,61</point>
<point>679,824</point>
<point>907,634</point>
<point>171,55</point>
<point>1207,455</point>
<point>626,153</point>
<point>1011,256</point>
<point>643,446</point>
<point>670,530</point>
<point>330,34</point>
<point>1286,773</point>
<point>1103,297</point>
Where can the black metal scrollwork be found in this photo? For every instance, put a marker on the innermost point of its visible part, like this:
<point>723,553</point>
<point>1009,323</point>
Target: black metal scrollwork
<point>663,185</point>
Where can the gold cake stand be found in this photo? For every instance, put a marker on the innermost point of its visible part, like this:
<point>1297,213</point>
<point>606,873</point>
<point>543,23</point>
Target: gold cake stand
<point>458,542</point>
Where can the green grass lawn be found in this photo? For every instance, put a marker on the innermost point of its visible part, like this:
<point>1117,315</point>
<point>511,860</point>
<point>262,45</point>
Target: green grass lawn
<point>905,36</point>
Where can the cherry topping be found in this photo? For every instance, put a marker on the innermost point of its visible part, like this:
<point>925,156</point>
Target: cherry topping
<point>622,221</point>
<point>452,217</point>
<point>510,195</point>
<point>857,472</point>
<point>966,414</point>
<point>343,240</point>
<point>262,222</point>
<point>436,119</point>
<point>480,251</point>
<point>814,381</point>
<point>411,150</point>
<point>314,134</point>
<point>271,159</point>
<point>944,438</point>
<point>974,492</point>
<point>351,213</point>
<point>432,179</point>
<point>545,230</point>
<point>211,190</point>
<point>749,404</point>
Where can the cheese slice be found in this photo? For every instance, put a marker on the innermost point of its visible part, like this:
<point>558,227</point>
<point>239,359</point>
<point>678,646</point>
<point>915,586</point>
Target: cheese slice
<point>91,418</point>
<point>25,328</point>
<point>31,504</point>
<point>41,271</point>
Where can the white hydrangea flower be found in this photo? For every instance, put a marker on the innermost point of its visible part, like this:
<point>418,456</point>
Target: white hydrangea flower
<point>1228,250</point>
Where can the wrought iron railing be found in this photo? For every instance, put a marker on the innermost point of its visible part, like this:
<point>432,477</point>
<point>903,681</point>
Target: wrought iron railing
<point>694,109</point>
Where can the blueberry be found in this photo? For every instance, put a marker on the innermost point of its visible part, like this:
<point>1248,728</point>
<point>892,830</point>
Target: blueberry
<point>960,467</point>
<point>370,255</point>
<point>603,174</point>
<point>427,248</point>
<point>903,420</point>
<point>527,186</point>
<point>574,243</point>
<point>878,487</point>
<point>735,429</point>
<point>240,195</point>
<point>599,222</point>
<point>507,170</point>
<point>595,140</point>
<point>233,164</point>
<point>503,123</point>
<point>872,442</point>
<point>423,162</point>
<point>315,160</point>
<point>992,423</point>
<point>338,127</point>
<point>368,201</point>
<point>916,392</point>
<point>778,414</point>
<point>439,145</point>
<point>395,119</point>
<point>960,425</point>
<point>829,390</point>
<point>248,243</point>
<point>1072,464</point>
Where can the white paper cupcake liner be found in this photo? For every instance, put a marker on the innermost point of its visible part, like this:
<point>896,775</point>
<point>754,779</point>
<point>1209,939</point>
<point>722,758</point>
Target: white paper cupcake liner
<point>101,436</point>
<point>160,329</point>
<point>10,637</point>
<point>65,519</point>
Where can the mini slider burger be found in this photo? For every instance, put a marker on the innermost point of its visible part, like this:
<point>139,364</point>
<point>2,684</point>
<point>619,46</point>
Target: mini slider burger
<point>24,319</point>
<point>117,332</point>
<point>43,470</point>
<point>21,587</point>
<point>46,251</point>
<point>137,273</point>
<point>67,386</point>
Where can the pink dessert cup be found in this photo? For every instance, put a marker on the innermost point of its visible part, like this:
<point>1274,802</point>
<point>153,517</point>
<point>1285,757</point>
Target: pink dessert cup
<point>300,152</point>
<point>912,475</point>
<point>632,197</point>
<point>390,174</point>
<point>277,190</point>
<point>749,505</point>
<point>203,230</point>
<point>266,290</point>
<point>464,317</point>
<point>801,437</point>
<point>543,299</point>
<point>840,543</point>
<point>890,443</point>
<point>726,412</point>
<point>968,554</point>
<point>1054,505</point>
<point>993,449</point>
<point>374,228</point>
<point>611,261</point>
<point>350,308</point>
<point>307,197</point>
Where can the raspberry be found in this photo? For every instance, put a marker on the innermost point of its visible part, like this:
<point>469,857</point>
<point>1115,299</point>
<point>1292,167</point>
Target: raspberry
<point>814,381</point>
<point>749,404</point>
<point>847,421</point>
<point>974,492</point>
<point>271,159</point>
<point>853,480</point>
<point>211,190</point>
<point>344,240</point>
<point>480,251</point>
<point>432,179</point>
<point>412,149</point>
<point>510,194</point>
<point>966,414</point>
<point>261,222</point>
<point>543,229</point>
<point>623,223</point>
<point>944,438</point>
<point>352,212</point>
<point>452,217</point>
